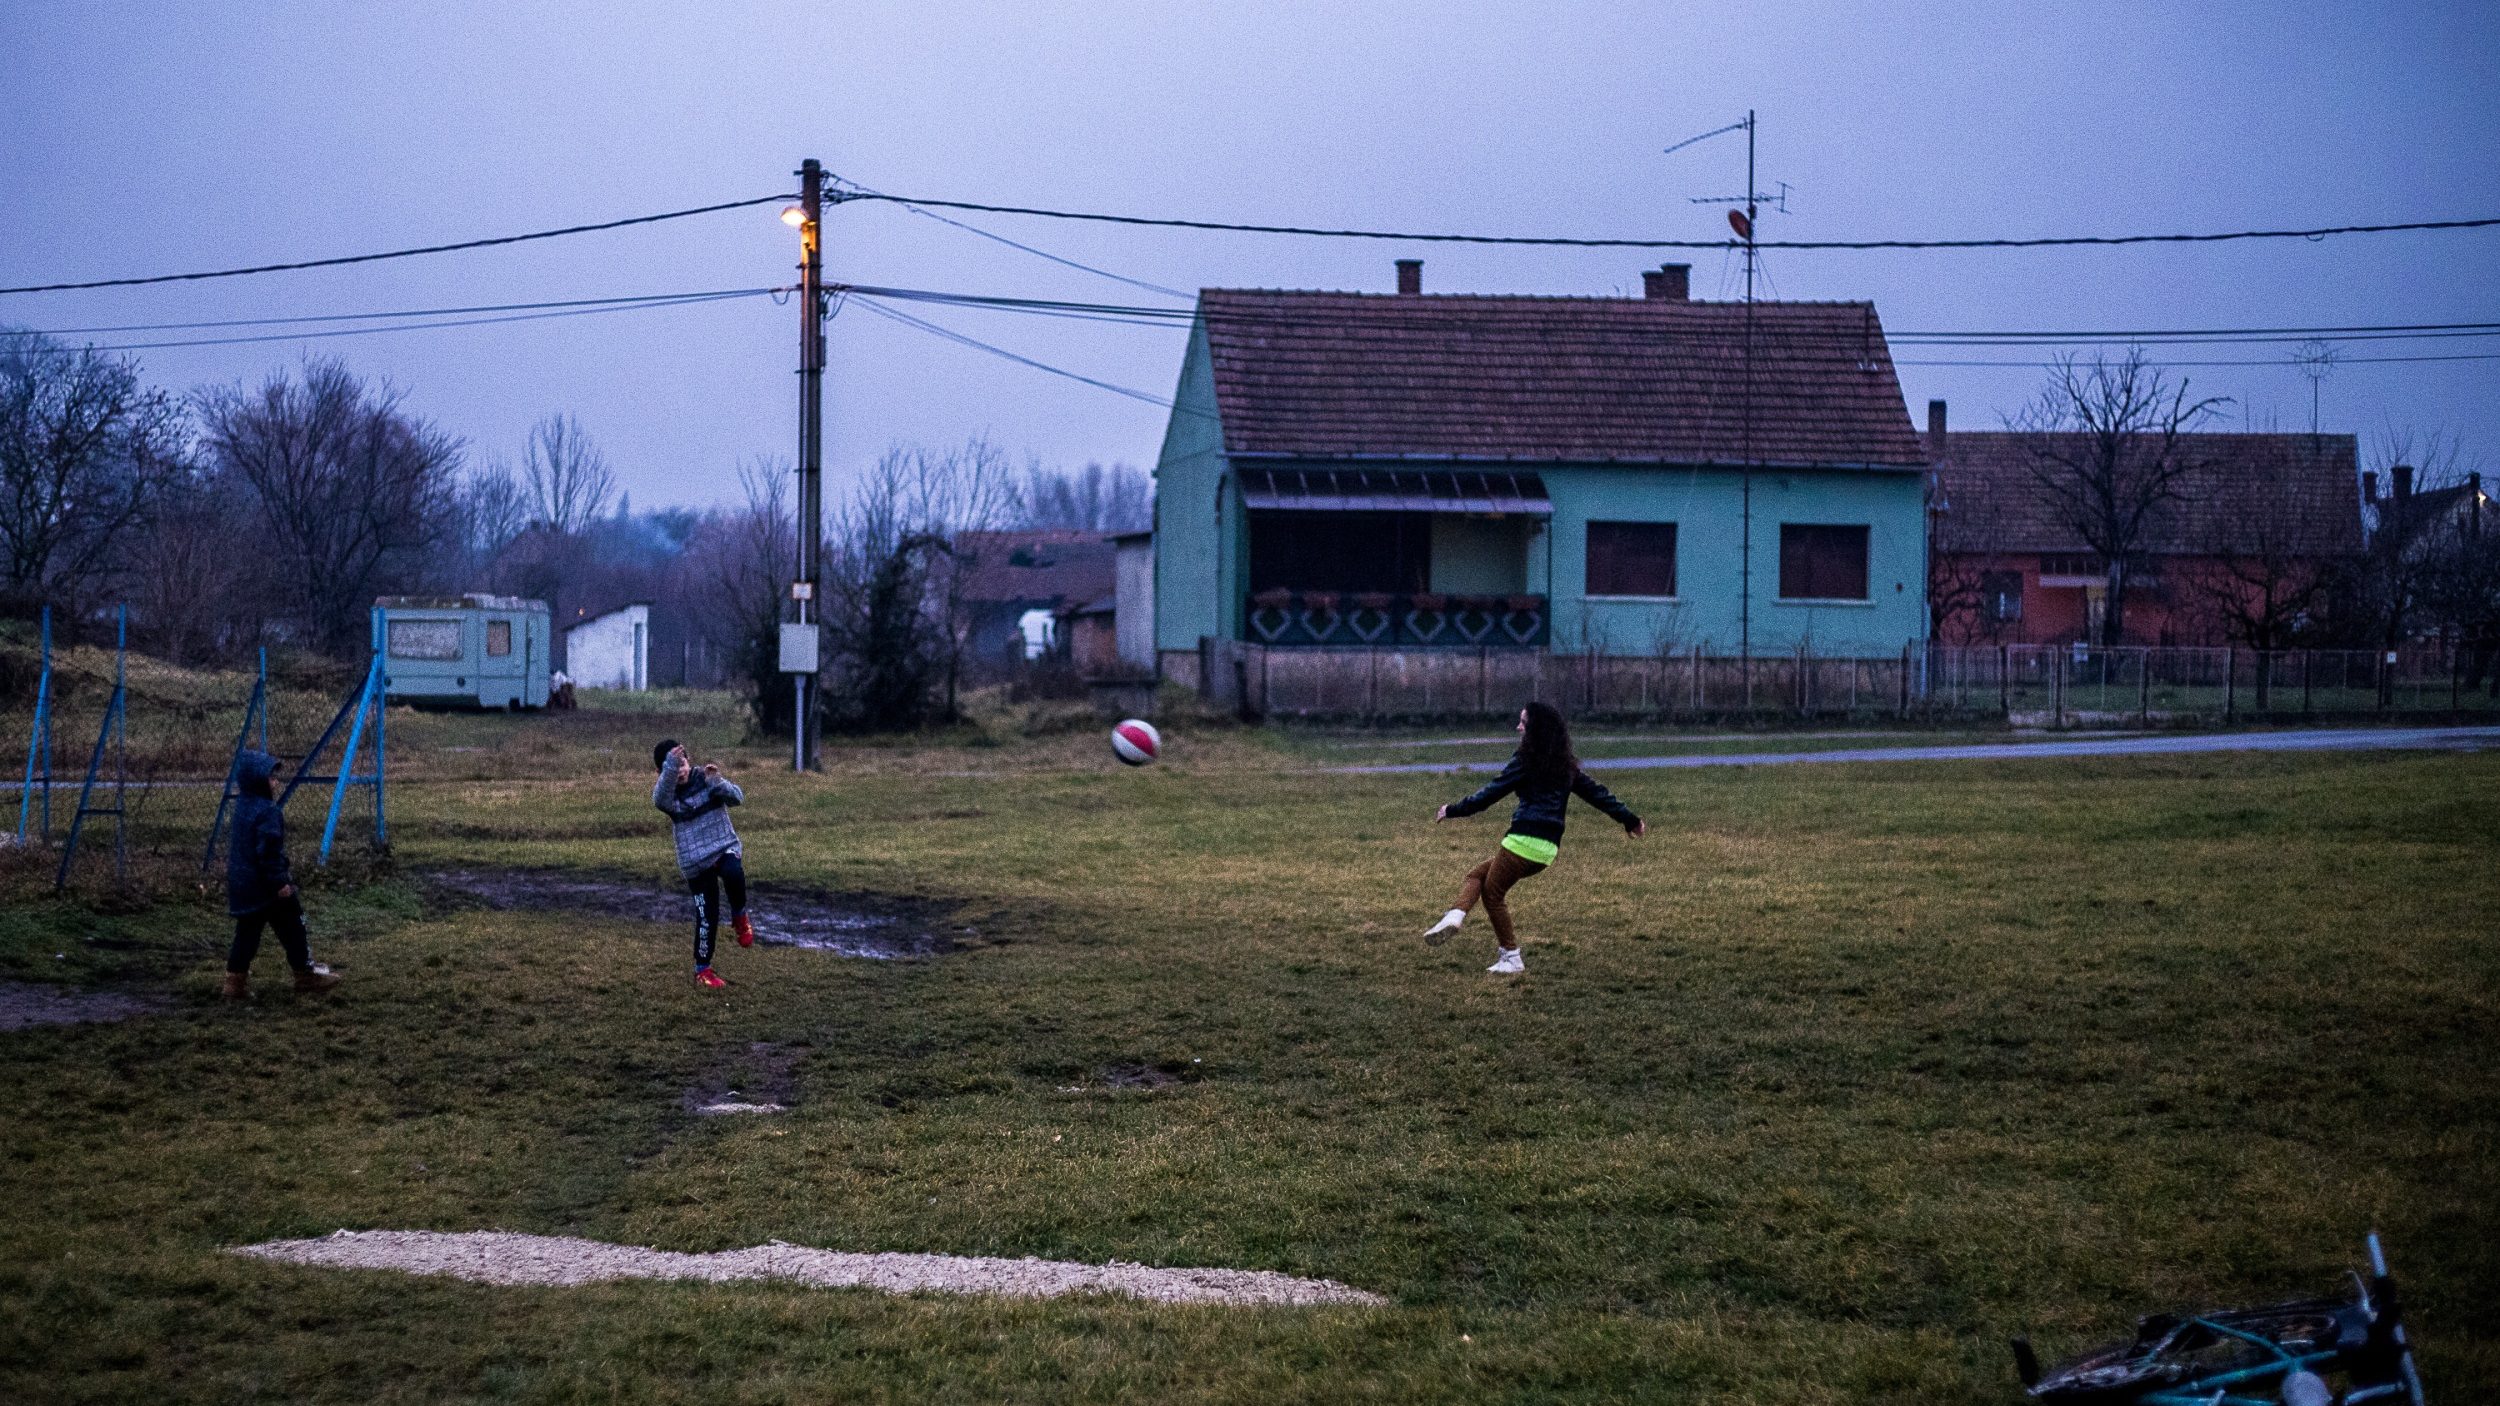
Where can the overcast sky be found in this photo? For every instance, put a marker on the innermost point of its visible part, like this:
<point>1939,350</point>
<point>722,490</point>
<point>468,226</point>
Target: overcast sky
<point>166,137</point>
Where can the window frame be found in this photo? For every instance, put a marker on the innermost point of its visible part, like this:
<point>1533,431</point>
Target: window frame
<point>491,627</point>
<point>1865,535</point>
<point>1589,557</point>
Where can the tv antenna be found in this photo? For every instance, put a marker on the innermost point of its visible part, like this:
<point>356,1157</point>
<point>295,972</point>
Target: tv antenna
<point>2316,360</point>
<point>1742,222</point>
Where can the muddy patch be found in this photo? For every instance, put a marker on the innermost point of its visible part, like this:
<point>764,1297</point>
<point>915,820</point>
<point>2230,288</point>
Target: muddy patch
<point>873,925</point>
<point>24,1005</point>
<point>762,1079</point>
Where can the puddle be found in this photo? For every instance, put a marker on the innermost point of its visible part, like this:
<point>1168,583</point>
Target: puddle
<point>872,925</point>
<point>25,1004</point>
<point>761,1079</point>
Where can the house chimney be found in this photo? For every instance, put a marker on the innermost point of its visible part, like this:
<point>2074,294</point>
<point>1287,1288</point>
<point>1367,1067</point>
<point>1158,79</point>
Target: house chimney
<point>1935,423</point>
<point>1410,276</point>
<point>1671,283</point>
<point>2369,485</point>
<point>2404,480</point>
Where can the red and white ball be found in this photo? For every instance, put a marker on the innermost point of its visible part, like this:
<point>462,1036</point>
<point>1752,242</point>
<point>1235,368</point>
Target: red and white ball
<point>1136,742</point>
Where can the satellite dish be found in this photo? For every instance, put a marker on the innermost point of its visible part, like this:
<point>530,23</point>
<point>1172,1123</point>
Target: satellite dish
<point>1737,221</point>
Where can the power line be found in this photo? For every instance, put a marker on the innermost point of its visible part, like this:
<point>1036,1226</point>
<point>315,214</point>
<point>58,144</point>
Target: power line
<point>2054,241</point>
<point>1026,248</point>
<point>642,298</point>
<point>399,253</point>
<point>867,301</point>
<point>687,301</point>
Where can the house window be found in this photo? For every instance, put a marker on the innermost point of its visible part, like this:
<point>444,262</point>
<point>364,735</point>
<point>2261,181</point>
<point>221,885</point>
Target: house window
<point>424,639</point>
<point>498,637</point>
<point>2001,594</point>
<point>1339,551</point>
<point>1631,559</point>
<point>1821,561</point>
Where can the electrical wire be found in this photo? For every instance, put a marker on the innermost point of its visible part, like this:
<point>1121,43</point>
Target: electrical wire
<point>648,298</point>
<point>1012,244</point>
<point>432,326</point>
<point>868,301</point>
<point>1569,242</point>
<point>399,253</point>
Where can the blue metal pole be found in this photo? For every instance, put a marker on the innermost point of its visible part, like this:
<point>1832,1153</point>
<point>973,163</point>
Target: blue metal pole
<point>347,763</point>
<point>39,742</point>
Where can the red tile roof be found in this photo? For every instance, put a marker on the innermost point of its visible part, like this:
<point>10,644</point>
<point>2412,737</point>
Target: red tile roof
<point>1546,379</point>
<point>1043,568</point>
<point>1993,501</point>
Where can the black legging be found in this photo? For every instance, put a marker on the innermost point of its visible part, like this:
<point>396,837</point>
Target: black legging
<point>724,872</point>
<point>287,916</point>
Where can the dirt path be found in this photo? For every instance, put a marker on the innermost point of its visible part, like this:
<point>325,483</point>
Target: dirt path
<point>2446,739</point>
<point>877,926</point>
<point>23,1005</point>
<point>498,1257</point>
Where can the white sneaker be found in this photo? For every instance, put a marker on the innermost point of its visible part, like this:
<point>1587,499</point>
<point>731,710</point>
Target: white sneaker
<point>1509,964</point>
<point>1440,932</point>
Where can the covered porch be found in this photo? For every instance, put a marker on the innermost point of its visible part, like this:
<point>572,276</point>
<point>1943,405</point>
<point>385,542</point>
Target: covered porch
<point>1395,557</point>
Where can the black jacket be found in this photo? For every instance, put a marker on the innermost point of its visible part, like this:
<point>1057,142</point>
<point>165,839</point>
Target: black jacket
<point>1540,812</point>
<point>256,866</point>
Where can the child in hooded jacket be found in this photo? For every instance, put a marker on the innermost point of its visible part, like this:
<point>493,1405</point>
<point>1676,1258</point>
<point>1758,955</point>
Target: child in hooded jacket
<point>697,804</point>
<point>1545,775</point>
<point>260,885</point>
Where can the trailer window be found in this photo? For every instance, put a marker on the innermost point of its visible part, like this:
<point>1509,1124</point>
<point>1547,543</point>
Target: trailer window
<point>425,639</point>
<point>498,637</point>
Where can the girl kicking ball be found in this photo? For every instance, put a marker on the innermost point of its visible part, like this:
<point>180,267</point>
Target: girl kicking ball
<point>697,804</point>
<point>1546,776</point>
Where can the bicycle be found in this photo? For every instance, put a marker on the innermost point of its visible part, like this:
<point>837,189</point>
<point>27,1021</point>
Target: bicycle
<point>2215,1358</point>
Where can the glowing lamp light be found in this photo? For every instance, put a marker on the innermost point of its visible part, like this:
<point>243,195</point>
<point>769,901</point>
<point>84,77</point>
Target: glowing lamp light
<point>793,216</point>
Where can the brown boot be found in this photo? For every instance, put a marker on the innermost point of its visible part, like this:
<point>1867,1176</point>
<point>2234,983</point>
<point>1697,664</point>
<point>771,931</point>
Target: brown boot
<point>238,987</point>
<point>311,979</point>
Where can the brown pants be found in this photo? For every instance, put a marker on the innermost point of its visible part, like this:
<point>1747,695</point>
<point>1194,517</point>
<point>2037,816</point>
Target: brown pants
<point>1491,882</point>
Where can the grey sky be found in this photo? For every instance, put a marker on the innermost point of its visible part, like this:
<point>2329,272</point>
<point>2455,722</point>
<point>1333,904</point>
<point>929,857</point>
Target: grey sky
<point>167,137</point>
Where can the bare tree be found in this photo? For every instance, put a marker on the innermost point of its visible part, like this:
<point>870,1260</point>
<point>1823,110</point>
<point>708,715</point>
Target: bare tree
<point>204,595</point>
<point>2263,576</point>
<point>87,455</point>
<point>567,477</point>
<point>737,567</point>
<point>2110,454</point>
<point>1096,498</point>
<point>348,491</point>
<point>896,616</point>
<point>2405,540</point>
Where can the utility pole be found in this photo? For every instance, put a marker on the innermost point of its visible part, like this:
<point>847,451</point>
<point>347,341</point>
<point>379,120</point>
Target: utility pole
<point>1744,599</point>
<point>803,589</point>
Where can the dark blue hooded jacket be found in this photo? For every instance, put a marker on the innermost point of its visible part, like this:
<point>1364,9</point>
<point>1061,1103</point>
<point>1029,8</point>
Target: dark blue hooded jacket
<point>256,866</point>
<point>1541,804</point>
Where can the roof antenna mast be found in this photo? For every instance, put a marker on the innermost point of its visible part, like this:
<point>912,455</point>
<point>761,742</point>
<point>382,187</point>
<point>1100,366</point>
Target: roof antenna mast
<point>1742,222</point>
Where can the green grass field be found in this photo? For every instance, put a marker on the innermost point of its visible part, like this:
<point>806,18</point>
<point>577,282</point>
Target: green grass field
<point>1817,1094</point>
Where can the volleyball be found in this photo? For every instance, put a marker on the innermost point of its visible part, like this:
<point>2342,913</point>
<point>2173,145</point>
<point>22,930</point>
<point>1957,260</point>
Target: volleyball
<point>1136,742</point>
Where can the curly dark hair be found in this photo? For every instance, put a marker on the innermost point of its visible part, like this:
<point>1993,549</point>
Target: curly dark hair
<point>1546,747</point>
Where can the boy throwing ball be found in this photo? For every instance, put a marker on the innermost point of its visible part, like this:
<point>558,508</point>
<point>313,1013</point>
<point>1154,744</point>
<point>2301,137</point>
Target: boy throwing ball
<point>697,804</point>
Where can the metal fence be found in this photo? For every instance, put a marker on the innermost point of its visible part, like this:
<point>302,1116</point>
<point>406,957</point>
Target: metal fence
<point>2031,685</point>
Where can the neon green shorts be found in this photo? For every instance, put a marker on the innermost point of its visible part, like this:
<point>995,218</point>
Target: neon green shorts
<point>1532,849</point>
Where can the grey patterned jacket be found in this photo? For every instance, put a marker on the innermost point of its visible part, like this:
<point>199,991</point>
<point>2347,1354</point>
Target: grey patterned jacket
<point>699,812</point>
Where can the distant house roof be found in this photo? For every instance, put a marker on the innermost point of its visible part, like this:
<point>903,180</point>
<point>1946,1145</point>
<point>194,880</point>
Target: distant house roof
<point>585,615</point>
<point>1036,569</point>
<point>1548,379</point>
<point>1992,500</point>
<point>474,600</point>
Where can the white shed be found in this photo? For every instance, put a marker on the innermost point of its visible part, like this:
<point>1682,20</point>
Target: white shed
<point>611,650</point>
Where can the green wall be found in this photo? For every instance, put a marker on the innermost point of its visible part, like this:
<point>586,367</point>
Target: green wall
<point>1197,514</point>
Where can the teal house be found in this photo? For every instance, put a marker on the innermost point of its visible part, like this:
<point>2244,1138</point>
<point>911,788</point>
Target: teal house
<point>1646,476</point>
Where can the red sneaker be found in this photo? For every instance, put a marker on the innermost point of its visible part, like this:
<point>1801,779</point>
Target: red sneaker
<point>744,929</point>
<point>710,980</point>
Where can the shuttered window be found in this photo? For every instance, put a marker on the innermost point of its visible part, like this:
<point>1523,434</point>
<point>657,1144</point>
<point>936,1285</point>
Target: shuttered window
<point>1631,559</point>
<point>1822,561</point>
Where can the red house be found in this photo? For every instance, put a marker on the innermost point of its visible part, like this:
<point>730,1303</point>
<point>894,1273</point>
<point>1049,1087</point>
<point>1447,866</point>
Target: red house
<point>2266,525</point>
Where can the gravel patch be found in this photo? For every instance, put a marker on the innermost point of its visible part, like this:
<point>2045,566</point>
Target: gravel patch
<point>24,1005</point>
<point>499,1257</point>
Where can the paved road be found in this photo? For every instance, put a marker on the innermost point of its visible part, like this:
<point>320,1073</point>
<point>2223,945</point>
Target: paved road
<point>2448,739</point>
